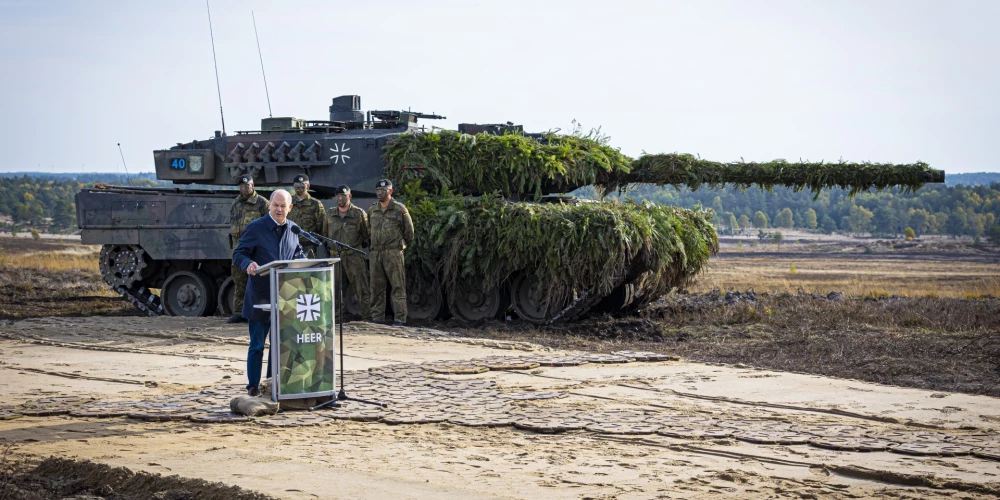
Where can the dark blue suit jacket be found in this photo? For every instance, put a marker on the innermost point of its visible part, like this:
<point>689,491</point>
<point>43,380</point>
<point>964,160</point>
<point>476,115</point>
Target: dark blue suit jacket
<point>263,243</point>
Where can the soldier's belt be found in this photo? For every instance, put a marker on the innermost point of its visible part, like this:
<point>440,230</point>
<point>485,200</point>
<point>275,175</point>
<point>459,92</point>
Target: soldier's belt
<point>382,248</point>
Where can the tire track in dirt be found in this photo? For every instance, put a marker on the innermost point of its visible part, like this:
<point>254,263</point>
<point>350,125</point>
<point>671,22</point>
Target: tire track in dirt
<point>721,399</point>
<point>133,350</point>
<point>924,480</point>
<point>147,383</point>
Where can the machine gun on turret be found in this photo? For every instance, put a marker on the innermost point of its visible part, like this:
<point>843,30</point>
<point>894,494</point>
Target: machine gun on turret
<point>393,119</point>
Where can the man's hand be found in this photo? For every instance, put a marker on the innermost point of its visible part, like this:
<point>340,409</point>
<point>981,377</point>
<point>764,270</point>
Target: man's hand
<point>252,269</point>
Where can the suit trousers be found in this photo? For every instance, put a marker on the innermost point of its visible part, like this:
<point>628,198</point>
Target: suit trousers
<point>255,355</point>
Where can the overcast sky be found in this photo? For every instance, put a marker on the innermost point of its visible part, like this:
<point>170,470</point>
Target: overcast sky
<point>884,81</point>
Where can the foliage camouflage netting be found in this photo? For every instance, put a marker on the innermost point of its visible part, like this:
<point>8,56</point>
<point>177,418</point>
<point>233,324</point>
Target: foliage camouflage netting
<point>684,169</point>
<point>583,246</point>
<point>509,164</point>
<point>515,164</point>
<point>578,247</point>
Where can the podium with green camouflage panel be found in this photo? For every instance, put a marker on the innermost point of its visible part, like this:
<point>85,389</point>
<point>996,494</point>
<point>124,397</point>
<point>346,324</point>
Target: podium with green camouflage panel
<point>303,328</point>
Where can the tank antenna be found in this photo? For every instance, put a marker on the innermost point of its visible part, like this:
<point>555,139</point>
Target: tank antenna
<point>261,64</point>
<point>123,163</point>
<point>216,62</point>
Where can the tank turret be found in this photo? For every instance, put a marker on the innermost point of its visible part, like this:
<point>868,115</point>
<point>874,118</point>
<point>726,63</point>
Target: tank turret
<point>346,149</point>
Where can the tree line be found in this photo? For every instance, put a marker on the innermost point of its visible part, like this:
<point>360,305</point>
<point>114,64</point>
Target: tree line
<point>47,201</point>
<point>934,209</point>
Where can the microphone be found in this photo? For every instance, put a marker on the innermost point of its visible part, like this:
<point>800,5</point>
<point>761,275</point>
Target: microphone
<point>305,234</point>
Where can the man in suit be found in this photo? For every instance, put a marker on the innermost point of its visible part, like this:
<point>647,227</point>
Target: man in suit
<point>265,240</point>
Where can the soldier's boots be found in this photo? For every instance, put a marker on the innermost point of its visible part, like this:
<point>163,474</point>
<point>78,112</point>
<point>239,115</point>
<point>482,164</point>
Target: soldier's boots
<point>397,323</point>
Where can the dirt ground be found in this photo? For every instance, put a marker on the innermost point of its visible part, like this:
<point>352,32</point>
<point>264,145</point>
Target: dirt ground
<point>767,393</point>
<point>931,343</point>
<point>929,443</point>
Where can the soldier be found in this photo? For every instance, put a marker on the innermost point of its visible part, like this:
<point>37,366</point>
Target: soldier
<point>348,224</point>
<point>391,230</point>
<point>246,207</point>
<point>307,212</point>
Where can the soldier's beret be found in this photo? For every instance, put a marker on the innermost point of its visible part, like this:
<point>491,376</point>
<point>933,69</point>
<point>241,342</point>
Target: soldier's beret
<point>246,179</point>
<point>342,189</point>
<point>302,179</point>
<point>384,183</point>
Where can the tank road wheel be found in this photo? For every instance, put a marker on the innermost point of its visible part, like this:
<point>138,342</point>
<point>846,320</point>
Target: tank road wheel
<point>122,265</point>
<point>526,297</point>
<point>424,301</point>
<point>227,292</point>
<point>187,293</point>
<point>470,303</point>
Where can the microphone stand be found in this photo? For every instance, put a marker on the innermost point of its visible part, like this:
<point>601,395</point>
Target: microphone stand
<point>342,395</point>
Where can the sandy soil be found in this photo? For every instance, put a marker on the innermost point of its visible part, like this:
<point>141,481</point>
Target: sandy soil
<point>131,358</point>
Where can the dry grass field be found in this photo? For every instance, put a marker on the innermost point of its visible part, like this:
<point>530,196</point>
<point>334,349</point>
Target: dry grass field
<point>49,255</point>
<point>853,275</point>
<point>50,277</point>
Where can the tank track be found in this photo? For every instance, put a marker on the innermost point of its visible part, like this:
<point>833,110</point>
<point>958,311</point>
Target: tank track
<point>584,303</point>
<point>143,299</point>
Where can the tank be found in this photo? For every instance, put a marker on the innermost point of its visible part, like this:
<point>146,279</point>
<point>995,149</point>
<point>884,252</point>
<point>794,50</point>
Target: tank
<point>496,233</point>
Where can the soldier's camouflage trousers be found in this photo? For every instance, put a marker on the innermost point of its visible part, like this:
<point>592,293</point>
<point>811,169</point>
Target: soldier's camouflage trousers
<point>240,278</point>
<point>387,267</point>
<point>356,276</point>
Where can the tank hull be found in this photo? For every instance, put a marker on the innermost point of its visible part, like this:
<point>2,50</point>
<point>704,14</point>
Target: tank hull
<point>167,251</point>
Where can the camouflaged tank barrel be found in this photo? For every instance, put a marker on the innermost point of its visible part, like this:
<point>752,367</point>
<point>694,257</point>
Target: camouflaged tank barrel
<point>688,170</point>
<point>514,164</point>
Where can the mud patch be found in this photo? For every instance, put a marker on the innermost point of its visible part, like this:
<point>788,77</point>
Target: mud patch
<point>57,478</point>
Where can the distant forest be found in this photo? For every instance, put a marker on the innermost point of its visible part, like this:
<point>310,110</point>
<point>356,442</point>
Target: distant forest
<point>46,201</point>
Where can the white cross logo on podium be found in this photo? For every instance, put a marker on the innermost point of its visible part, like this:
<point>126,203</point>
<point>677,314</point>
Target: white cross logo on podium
<point>307,307</point>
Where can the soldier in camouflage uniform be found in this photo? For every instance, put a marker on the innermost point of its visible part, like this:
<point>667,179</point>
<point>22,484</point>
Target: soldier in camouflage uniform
<point>391,230</point>
<point>246,207</point>
<point>348,224</point>
<point>308,213</point>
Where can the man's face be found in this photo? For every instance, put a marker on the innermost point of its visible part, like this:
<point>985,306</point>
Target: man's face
<point>300,189</point>
<point>383,193</point>
<point>344,200</point>
<point>280,206</point>
<point>245,189</point>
